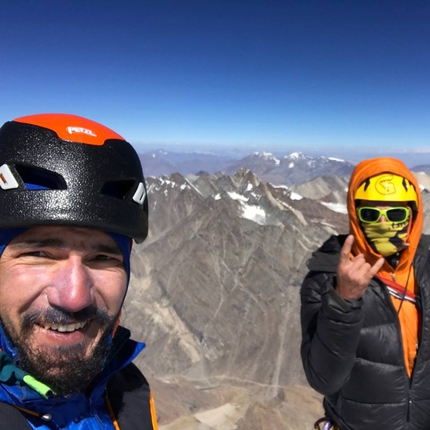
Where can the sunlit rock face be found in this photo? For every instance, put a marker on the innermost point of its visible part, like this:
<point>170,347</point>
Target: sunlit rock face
<point>215,295</point>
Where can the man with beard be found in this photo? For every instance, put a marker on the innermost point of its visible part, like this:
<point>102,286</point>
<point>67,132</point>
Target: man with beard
<point>72,199</point>
<point>366,307</point>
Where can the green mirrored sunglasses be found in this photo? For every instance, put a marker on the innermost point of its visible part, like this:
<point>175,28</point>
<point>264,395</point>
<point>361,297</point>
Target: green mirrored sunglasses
<point>370,214</point>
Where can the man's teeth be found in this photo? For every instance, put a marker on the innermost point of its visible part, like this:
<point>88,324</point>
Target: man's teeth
<point>64,327</point>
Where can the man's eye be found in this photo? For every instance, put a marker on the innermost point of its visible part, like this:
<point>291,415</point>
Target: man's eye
<point>104,257</point>
<point>34,254</point>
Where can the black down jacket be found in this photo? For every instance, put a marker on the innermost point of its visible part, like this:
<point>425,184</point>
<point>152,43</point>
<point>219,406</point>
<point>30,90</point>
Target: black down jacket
<point>352,350</point>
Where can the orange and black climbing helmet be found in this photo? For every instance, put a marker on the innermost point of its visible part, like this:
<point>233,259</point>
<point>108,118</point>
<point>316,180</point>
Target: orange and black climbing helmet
<point>59,169</point>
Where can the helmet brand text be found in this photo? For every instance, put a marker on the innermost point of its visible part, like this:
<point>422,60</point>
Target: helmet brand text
<point>82,130</point>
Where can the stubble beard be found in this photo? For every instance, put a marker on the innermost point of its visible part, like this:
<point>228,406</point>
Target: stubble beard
<point>66,369</point>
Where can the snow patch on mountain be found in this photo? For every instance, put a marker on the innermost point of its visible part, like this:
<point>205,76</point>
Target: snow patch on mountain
<point>164,181</point>
<point>336,207</point>
<point>236,196</point>
<point>294,155</point>
<point>267,156</point>
<point>295,196</point>
<point>254,213</point>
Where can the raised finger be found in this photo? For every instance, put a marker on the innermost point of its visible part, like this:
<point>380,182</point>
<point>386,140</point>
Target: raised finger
<point>376,267</point>
<point>346,248</point>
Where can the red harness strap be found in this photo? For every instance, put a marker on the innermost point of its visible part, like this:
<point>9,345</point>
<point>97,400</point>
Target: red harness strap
<point>397,290</point>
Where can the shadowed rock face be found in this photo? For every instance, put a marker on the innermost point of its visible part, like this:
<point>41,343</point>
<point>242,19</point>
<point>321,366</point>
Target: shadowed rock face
<point>215,295</point>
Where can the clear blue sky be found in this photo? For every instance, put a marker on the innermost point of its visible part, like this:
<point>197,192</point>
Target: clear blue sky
<point>267,74</point>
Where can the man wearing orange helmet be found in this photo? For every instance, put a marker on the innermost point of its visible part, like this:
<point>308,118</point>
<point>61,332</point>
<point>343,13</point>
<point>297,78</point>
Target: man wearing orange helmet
<point>366,307</point>
<point>72,200</point>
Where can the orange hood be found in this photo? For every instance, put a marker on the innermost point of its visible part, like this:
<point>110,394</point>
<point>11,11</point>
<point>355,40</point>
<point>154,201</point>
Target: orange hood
<point>362,171</point>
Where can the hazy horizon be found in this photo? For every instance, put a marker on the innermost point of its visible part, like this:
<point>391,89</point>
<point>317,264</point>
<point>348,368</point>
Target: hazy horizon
<point>410,158</point>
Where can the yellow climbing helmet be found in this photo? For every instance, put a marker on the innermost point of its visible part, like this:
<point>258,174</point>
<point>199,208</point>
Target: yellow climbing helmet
<point>387,187</point>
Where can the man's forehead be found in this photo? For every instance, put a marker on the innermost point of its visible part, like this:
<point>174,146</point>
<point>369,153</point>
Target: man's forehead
<point>66,235</point>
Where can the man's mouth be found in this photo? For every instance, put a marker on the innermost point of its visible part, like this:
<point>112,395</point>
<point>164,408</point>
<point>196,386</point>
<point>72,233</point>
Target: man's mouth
<point>64,327</point>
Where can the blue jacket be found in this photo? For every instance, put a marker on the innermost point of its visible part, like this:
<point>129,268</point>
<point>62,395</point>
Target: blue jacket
<point>130,403</point>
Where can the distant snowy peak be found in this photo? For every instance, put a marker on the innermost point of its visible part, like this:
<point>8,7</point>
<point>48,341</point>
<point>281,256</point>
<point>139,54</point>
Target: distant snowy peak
<point>275,168</point>
<point>294,168</point>
<point>299,156</point>
<point>339,160</point>
<point>266,156</point>
<point>296,156</point>
<point>324,165</point>
<point>157,153</point>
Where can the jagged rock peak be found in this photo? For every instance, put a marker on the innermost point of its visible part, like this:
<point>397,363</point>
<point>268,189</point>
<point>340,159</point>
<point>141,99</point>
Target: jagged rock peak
<point>246,175</point>
<point>176,180</point>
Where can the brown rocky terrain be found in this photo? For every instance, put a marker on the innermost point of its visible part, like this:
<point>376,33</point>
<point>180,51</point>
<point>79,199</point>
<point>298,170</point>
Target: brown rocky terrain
<point>215,295</point>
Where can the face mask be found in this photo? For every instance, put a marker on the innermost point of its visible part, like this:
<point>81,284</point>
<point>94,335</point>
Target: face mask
<point>386,238</point>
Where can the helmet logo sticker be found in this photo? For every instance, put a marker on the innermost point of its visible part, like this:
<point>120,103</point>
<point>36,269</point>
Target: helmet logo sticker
<point>140,194</point>
<point>82,130</point>
<point>385,185</point>
<point>7,180</point>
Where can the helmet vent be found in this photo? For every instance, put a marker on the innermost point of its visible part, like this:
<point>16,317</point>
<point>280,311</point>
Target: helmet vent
<point>366,184</point>
<point>40,179</point>
<point>118,189</point>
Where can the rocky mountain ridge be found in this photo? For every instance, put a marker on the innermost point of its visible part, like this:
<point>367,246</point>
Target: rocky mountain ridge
<point>215,295</point>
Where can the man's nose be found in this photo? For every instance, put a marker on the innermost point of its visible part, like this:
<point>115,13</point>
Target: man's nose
<point>71,288</point>
<point>382,219</point>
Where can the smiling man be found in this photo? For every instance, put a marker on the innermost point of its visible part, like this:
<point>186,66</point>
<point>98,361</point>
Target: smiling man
<point>72,199</point>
